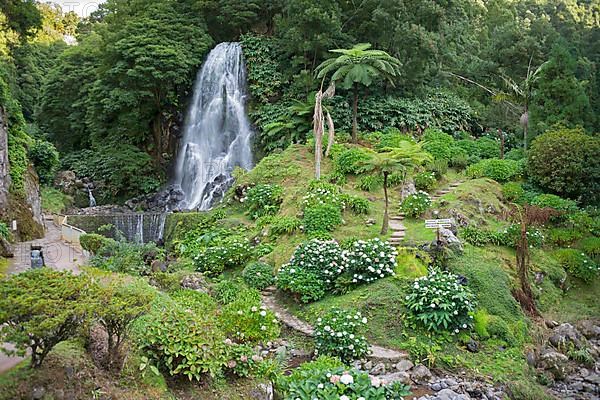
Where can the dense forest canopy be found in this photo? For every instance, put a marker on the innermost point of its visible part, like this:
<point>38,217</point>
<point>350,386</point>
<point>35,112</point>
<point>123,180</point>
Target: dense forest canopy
<point>464,67</point>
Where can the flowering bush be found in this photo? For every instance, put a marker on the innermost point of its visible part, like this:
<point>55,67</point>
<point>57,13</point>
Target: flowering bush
<point>263,200</point>
<point>321,193</point>
<point>339,334</point>
<point>511,235</point>
<point>371,260</point>
<point>247,321</point>
<point>416,204</point>
<point>228,252</point>
<point>311,382</point>
<point>439,302</point>
<point>577,263</point>
<point>358,205</point>
<point>425,181</point>
<point>322,218</point>
<point>258,275</point>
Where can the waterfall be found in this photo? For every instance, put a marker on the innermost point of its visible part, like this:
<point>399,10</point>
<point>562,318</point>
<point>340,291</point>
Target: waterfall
<point>140,227</point>
<point>91,197</point>
<point>217,134</point>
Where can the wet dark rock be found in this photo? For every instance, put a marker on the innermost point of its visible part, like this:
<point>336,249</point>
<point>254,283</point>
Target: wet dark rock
<point>473,346</point>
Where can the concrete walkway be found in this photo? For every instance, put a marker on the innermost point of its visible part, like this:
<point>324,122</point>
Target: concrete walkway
<point>57,254</point>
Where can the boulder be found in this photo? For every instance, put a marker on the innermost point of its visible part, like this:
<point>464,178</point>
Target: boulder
<point>404,365</point>
<point>564,335</point>
<point>420,374</point>
<point>195,281</point>
<point>378,369</point>
<point>452,241</point>
<point>402,377</point>
<point>589,329</point>
<point>555,363</point>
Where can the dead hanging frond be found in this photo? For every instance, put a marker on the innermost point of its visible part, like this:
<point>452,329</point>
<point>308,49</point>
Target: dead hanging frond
<point>319,126</point>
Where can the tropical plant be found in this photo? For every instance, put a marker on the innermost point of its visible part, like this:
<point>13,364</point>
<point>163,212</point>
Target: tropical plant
<point>398,160</point>
<point>359,66</point>
<point>258,275</point>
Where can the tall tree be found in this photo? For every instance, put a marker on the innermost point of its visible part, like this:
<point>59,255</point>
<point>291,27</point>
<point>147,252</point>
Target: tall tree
<point>359,66</point>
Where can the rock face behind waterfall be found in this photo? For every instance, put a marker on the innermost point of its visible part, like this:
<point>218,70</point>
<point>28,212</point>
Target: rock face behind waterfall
<point>217,133</point>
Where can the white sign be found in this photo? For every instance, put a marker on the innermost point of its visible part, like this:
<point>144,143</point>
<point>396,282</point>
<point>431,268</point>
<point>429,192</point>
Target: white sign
<point>439,223</point>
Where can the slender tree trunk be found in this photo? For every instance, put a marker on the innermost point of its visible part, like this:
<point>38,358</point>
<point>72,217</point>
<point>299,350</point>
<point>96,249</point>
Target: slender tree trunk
<point>526,126</point>
<point>501,135</point>
<point>386,217</point>
<point>318,154</point>
<point>526,297</point>
<point>355,115</point>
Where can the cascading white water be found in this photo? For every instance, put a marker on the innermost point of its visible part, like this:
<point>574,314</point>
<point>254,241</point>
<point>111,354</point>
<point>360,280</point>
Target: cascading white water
<point>140,227</point>
<point>92,199</point>
<point>217,135</point>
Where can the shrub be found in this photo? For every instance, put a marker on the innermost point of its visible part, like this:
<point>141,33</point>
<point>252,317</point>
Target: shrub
<point>513,191</point>
<point>555,202</point>
<point>339,333</point>
<point>171,337</point>
<point>475,236</point>
<point>118,304</point>
<point>41,308</point>
<point>371,260</point>
<point>438,167</point>
<point>577,263</point>
<point>194,300</point>
<point>322,379</point>
<point>324,217</point>
<point>258,275</point>
<point>358,205</point>
<point>440,303</point>
<point>285,226</point>
<point>515,154</point>
<point>93,242</point>
<point>369,183</point>
<point>566,162</point>
<point>228,252</point>
<point>320,193</point>
<point>262,200</point>
<point>425,181</point>
<point>4,231</point>
<point>563,237</point>
<point>487,148</point>
<point>350,161</point>
<point>459,161</point>
<point>498,170</point>
<point>305,285</point>
<point>228,291</point>
<point>438,144</point>
<point>246,321</point>
<point>125,257</point>
<point>590,246</point>
<point>416,204</point>
<point>44,156</point>
<point>510,236</point>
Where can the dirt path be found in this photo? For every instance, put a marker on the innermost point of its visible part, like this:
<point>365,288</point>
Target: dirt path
<point>58,255</point>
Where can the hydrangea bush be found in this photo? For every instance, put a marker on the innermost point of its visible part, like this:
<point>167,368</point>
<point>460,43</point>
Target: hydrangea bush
<point>262,200</point>
<point>416,204</point>
<point>578,264</point>
<point>339,333</point>
<point>425,181</point>
<point>440,303</point>
<point>322,193</point>
<point>233,251</point>
<point>371,260</point>
<point>340,383</point>
<point>247,321</point>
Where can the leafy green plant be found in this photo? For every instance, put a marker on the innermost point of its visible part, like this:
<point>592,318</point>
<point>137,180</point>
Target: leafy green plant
<point>563,237</point>
<point>369,183</point>
<point>416,204</point>
<point>348,162</point>
<point>93,242</point>
<point>498,170</point>
<point>476,236</point>
<point>285,226</point>
<point>245,320</point>
<point>305,285</point>
<point>577,263</point>
<point>262,200</point>
<point>425,181</point>
<point>339,333</point>
<point>440,303</point>
<point>590,246</point>
<point>322,218</point>
<point>513,191</point>
<point>322,193</point>
<point>44,156</point>
<point>555,202</point>
<point>259,275</point>
<point>438,144</point>
<point>4,231</point>
<point>438,167</point>
<point>510,236</point>
<point>357,204</point>
<point>228,291</point>
<point>125,257</point>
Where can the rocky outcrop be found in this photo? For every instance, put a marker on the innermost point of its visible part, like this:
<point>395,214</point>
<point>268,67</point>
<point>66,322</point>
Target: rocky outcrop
<point>25,209</point>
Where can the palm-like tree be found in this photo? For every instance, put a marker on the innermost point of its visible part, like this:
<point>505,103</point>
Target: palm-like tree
<point>359,66</point>
<point>391,160</point>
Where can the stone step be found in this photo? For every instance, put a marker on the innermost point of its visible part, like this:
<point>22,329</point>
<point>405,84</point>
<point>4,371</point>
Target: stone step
<point>398,235</point>
<point>397,218</point>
